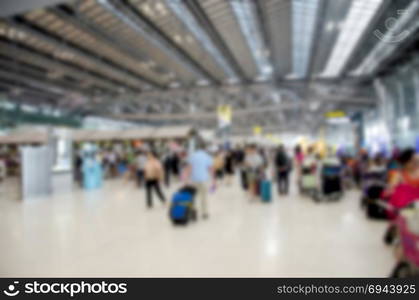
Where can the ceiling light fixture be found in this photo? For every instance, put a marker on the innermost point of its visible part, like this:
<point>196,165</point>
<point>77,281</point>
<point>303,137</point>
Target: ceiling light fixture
<point>174,84</point>
<point>245,14</point>
<point>202,82</point>
<point>330,26</point>
<point>304,19</point>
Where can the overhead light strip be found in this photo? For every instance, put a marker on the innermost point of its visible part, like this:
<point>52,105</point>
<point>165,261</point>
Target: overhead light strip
<point>304,19</point>
<point>358,19</point>
<point>188,19</point>
<point>244,12</point>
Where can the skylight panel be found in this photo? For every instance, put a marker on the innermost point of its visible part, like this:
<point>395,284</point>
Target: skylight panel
<point>360,15</point>
<point>244,12</point>
<point>389,41</point>
<point>304,18</point>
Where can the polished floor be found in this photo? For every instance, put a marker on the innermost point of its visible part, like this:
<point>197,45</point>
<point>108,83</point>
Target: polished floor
<point>110,233</point>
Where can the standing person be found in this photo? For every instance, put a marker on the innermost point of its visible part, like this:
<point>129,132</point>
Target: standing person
<point>3,169</point>
<point>167,164</point>
<point>113,163</point>
<point>200,171</point>
<point>360,166</point>
<point>377,164</point>
<point>132,166</point>
<point>311,161</point>
<point>229,166</point>
<point>299,158</point>
<point>408,172</point>
<point>239,161</point>
<point>78,168</point>
<point>254,165</point>
<point>282,169</point>
<point>140,160</point>
<point>264,156</point>
<point>219,164</point>
<point>393,167</point>
<point>175,162</point>
<point>153,173</point>
<point>363,161</point>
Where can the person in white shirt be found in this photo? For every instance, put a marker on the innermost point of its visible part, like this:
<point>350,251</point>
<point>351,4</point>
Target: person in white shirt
<point>254,166</point>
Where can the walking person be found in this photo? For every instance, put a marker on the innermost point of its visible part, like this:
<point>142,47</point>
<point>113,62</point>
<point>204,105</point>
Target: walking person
<point>229,167</point>
<point>112,159</point>
<point>175,162</point>
<point>282,170</point>
<point>153,172</point>
<point>255,166</point>
<point>78,169</point>
<point>298,162</point>
<point>140,160</point>
<point>239,161</point>
<point>219,164</point>
<point>200,171</point>
<point>167,164</point>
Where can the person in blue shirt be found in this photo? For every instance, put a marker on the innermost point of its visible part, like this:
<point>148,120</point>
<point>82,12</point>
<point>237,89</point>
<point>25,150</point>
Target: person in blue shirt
<point>200,172</point>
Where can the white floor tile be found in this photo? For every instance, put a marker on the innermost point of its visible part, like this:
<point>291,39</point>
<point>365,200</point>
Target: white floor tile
<point>110,233</point>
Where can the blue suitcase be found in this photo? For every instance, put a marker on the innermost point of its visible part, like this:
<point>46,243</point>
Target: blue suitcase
<point>182,208</point>
<point>266,190</point>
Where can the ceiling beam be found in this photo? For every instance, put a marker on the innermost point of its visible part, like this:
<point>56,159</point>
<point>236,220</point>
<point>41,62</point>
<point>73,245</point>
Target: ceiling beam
<point>58,42</point>
<point>317,33</point>
<point>34,57</point>
<point>85,25</point>
<point>26,71</point>
<point>11,86</point>
<point>125,13</point>
<point>32,82</point>
<point>206,24</point>
<point>266,34</point>
<point>297,87</point>
<point>9,8</point>
<point>243,112</point>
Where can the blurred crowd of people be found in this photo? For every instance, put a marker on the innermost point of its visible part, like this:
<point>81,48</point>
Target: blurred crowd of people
<point>388,183</point>
<point>252,163</point>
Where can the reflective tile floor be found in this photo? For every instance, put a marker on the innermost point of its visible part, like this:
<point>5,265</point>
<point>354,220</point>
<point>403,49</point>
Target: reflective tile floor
<point>110,233</point>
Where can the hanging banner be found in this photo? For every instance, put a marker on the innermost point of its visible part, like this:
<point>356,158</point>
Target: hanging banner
<point>224,114</point>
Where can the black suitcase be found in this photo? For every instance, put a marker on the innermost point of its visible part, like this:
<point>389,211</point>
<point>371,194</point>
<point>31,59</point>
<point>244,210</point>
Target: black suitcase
<point>331,185</point>
<point>376,211</point>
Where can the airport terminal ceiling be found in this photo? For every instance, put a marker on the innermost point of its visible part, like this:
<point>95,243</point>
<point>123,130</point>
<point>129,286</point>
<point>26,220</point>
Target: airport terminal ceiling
<point>278,63</point>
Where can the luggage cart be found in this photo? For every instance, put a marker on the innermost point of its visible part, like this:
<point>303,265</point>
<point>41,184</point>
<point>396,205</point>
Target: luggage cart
<point>408,248</point>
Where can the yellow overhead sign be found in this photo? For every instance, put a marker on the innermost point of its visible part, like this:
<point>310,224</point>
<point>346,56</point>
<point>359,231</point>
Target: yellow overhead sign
<point>225,114</point>
<point>257,130</point>
<point>335,114</point>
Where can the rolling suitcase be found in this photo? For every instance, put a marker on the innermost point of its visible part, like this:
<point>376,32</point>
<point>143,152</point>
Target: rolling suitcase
<point>266,190</point>
<point>182,209</point>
